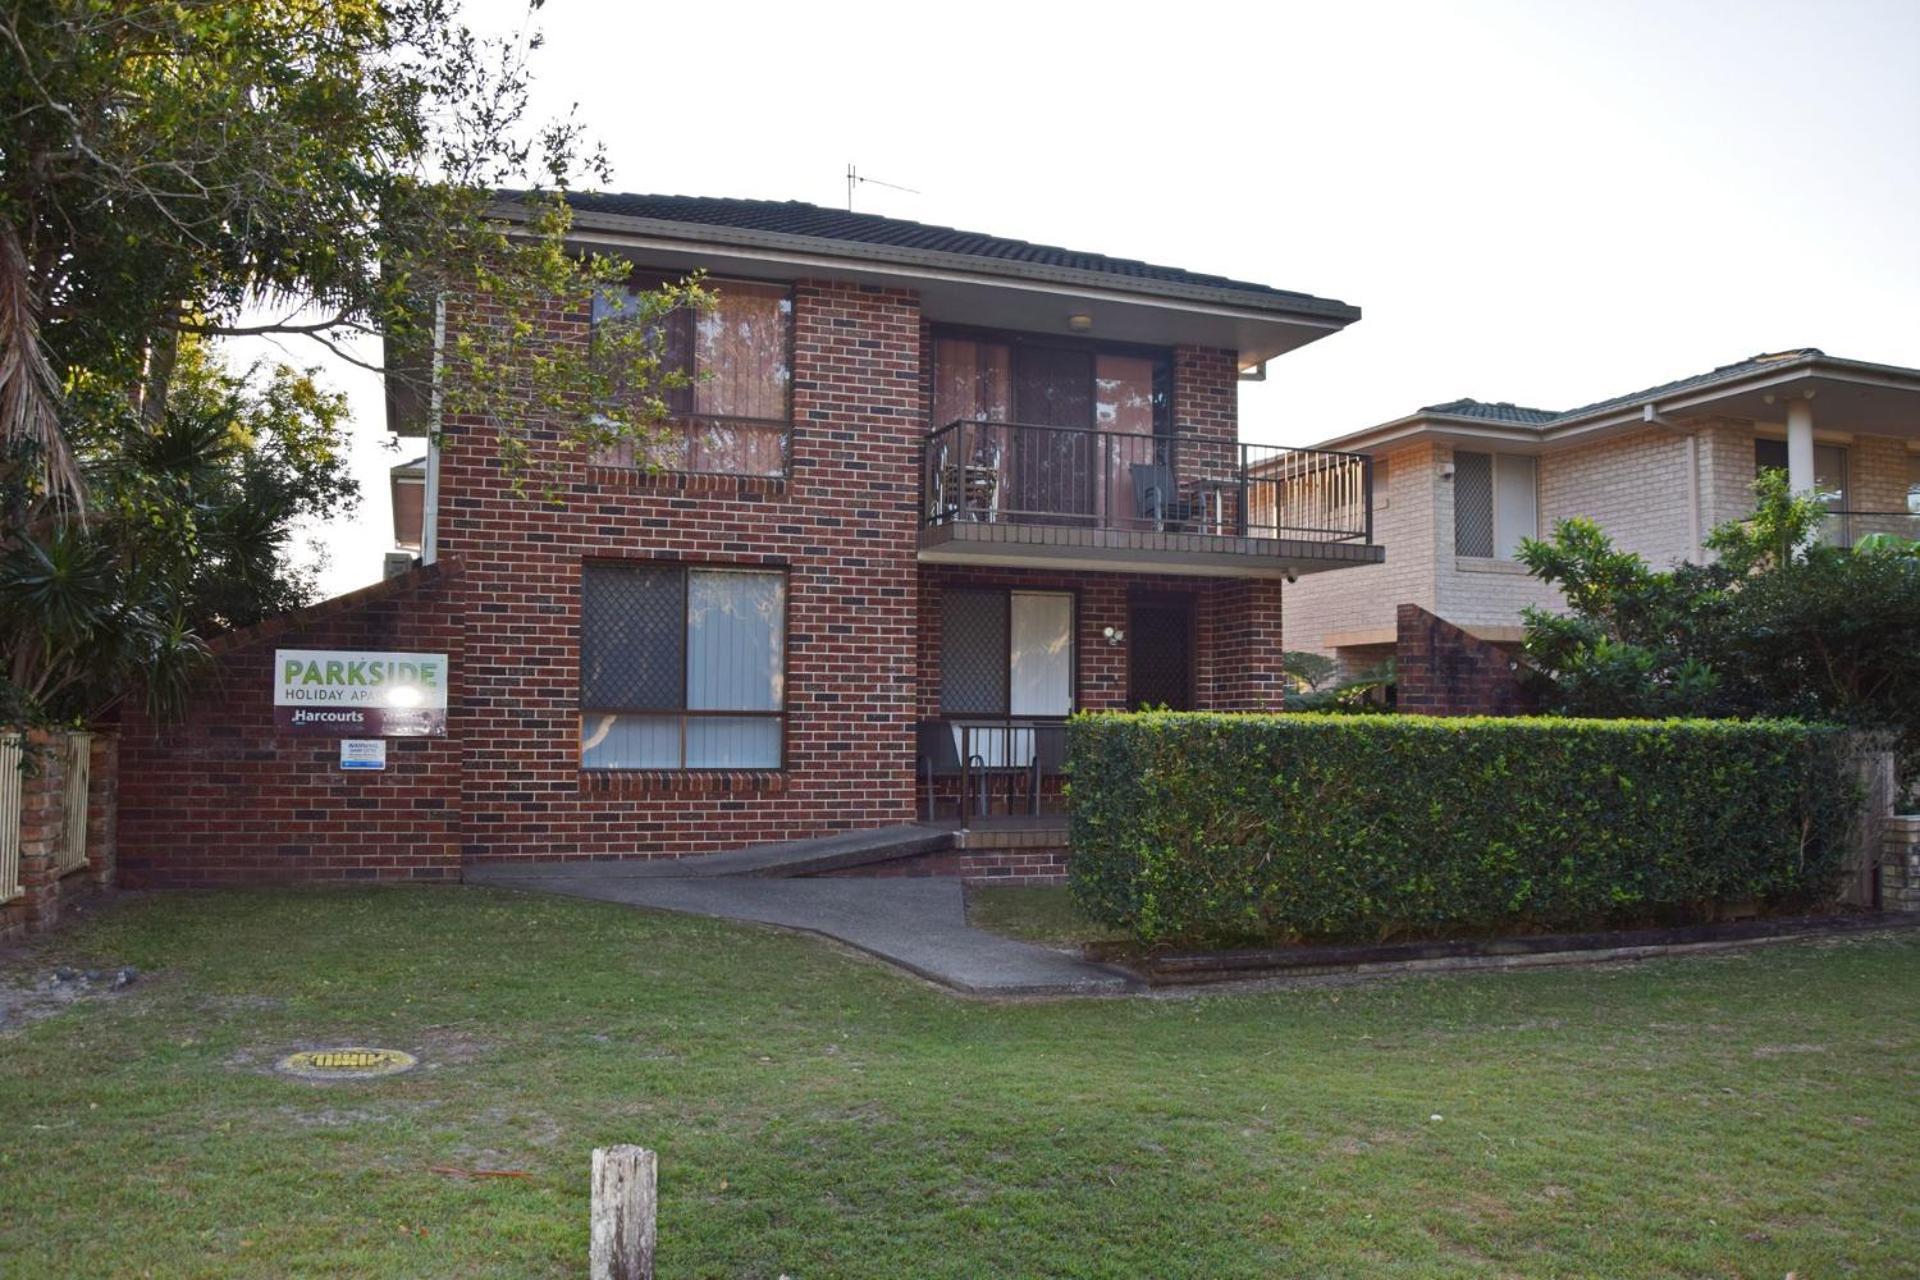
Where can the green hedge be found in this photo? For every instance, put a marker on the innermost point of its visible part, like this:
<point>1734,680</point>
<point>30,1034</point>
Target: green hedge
<point>1199,827</point>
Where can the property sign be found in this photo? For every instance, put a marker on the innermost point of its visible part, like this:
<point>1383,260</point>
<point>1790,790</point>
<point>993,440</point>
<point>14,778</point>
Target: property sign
<point>363,753</point>
<point>351,693</point>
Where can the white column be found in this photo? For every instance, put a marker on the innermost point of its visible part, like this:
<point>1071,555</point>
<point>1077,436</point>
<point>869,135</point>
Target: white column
<point>1800,445</point>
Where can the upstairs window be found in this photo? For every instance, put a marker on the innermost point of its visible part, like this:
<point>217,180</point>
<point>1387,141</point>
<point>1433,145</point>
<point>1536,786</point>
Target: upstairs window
<point>681,668</point>
<point>1494,504</point>
<point>735,413</point>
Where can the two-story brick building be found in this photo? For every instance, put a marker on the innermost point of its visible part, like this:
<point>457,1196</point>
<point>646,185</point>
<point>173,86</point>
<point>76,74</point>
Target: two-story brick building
<point>928,492</point>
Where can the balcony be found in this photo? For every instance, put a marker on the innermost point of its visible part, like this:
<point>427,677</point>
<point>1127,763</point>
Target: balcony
<point>1008,493</point>
<point>1846,528</point>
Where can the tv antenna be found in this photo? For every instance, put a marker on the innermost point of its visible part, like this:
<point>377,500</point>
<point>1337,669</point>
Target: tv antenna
<point>854,179</point>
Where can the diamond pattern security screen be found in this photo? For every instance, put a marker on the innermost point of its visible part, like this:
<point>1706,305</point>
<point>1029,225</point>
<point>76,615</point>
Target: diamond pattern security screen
<point>633,633</point>
<point>1472,504</point>
<point>973,653</point>
<point>681,669</point>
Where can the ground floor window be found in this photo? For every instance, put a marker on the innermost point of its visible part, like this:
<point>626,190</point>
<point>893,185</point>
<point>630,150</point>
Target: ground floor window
<point>1007,653</point>
<point>681,668</point>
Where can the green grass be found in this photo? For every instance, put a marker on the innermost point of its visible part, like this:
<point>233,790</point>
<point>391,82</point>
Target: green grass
<point>1747,1114</point>
<point>1037,914</point>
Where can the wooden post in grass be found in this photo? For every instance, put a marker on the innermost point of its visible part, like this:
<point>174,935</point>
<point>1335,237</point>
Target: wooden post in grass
<point>621,1243</point>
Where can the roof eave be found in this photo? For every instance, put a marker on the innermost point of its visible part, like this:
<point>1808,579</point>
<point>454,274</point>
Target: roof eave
<point>1416,426</point>
<point>1321,312</point>
<point>1703,395</point>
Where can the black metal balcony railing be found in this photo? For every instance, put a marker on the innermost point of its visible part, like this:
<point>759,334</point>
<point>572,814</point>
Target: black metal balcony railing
<point>1019,473</point>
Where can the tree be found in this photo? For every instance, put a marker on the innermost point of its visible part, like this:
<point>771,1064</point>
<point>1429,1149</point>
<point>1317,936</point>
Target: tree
<point>1779,624</point>
<point>189,523</point>
<point>172,167</point>
<point>174,171</point>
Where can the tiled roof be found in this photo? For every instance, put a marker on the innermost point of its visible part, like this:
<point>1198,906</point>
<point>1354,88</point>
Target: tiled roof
<point>1521,416</point>
<point>1726,372</point>
<point>795,218</point>
<point>1501,411</point>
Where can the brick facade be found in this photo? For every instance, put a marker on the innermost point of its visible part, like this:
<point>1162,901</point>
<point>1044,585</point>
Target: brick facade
<point>222,799</point>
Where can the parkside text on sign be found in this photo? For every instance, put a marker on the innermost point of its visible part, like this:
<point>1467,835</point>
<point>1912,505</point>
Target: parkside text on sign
<point>350,693</point>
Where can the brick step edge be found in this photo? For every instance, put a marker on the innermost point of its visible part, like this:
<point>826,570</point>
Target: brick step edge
<point>1186,968</point>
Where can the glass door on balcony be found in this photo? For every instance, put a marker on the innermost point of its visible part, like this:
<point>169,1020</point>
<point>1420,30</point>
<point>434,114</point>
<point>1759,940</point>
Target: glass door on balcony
<point>1089,426</point>
<point>1053,470</point>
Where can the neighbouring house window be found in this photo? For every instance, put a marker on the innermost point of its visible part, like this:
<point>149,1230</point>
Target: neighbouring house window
<point>1494,503</point>
<point>681,668</point>
<point>735,415</point>
<point>1006,653</point>
<point>1829,468</point>
<point>1913,484</point>
<point>1829,481</point>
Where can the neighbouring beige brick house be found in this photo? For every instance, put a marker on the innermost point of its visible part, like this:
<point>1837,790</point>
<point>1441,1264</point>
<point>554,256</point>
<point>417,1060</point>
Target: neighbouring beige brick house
<point>1457,485</point>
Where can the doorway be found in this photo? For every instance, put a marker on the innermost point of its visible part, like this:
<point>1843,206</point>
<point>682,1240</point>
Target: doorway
<point>1160,653</point>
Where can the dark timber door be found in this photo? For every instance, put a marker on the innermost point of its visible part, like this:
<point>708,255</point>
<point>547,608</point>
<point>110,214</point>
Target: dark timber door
<point>1160,654</point>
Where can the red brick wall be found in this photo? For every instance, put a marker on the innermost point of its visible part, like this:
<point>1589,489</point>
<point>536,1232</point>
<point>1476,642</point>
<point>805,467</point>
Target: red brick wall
<point>221,797</point>
<point>1248,652</point>
<point>843,526</point>
<point>1440,670</point>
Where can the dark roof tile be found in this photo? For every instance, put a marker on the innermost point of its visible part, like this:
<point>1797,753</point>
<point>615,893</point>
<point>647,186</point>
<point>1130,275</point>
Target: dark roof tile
<point>795,218</point>
<point>1501,411</point>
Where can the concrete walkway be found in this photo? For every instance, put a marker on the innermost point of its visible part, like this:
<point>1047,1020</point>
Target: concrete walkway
<point>918,924</point>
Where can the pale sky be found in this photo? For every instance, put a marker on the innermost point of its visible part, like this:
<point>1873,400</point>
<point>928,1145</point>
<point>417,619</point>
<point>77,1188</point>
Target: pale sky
<point>1548,203</point>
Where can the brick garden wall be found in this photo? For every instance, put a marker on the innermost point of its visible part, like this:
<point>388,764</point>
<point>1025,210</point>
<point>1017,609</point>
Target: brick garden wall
<point>221,797</point>
<point>1443,671</point>
<point>45,892</point>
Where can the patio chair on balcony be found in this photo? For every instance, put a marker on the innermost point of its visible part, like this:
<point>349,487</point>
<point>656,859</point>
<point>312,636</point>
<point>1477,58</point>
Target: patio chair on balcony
<point>1155,498</point>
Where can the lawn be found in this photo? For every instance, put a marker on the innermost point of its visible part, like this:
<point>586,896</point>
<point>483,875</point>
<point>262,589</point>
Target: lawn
<point>1043,914</point>
<point>1745,1114</point>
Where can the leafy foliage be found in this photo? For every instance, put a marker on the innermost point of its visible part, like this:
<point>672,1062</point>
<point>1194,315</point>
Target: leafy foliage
<point>179,170</point>
<point>190,520</point>
<point>175,167</point>
<point>1779,625</point>
<point>1207,827</point>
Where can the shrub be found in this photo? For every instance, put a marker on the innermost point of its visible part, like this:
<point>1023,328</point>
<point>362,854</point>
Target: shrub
<point>1209,827</point>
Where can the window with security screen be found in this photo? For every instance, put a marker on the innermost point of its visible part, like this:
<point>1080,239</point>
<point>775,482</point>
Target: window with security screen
<point>1494,503</point>
<point>733,414</point>
<point>681,668</point>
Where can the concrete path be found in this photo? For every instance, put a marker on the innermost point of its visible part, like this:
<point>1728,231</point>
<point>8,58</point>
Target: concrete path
<point>918,924</point>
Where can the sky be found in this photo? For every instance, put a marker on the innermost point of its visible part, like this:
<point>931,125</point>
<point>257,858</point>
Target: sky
<point>1548,203</point>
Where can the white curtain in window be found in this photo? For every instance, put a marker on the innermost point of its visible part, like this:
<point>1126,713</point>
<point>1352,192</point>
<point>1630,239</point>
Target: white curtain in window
<point>1514,515</point>
<point>735,662</point>
<point>1041,626</point>
<point>629,742</point>
<point>734,641</point>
